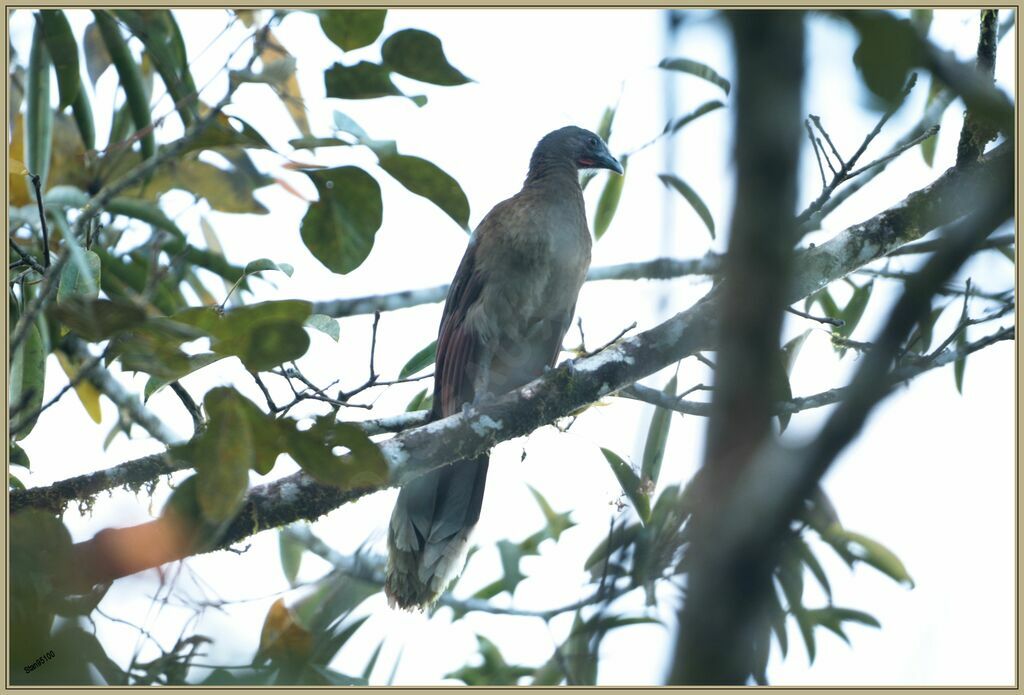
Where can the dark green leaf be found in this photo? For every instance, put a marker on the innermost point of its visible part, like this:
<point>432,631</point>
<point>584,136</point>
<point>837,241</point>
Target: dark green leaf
<point>697,69</point>
<point>131,79</point>
<point>888,49</point>
<point>421,360</point>
<point>780,386</point>
<point>921,339</point>
<point>339,228</point>
<point>620,537</point>
<point>352,29</point>
<point>921,19</point>
<point>419,55</point>
<point>335,678</point>
<point>361,81</point>
<point>80,277</point>
<point>692,197</point>
<point>426,179</point>
<point>28,378</point>
<point>368,669</point>
<point>791,349</point>
<point>18,457</point>
<point>63,49</point>
<point>707,107</point>
<point>221,134</point>
<point>225,453</point>
<point>182,509</point>
<point>609,201</point>
<point>657,436</point>
<point>81,109</point>
<point>631,484</point>
<point>162,38</point>
<point>38,114</point>
<point>97,319</point>
<point>604,128</point>
<point>325,324</point>
<point>493,671</point>
<point>806,624</point>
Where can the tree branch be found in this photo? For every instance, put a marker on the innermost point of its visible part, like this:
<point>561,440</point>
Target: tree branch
<point>567,388</point>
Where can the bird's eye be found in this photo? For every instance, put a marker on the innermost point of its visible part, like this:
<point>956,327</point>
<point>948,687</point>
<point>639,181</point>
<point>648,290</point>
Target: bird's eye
<point>593,142</point>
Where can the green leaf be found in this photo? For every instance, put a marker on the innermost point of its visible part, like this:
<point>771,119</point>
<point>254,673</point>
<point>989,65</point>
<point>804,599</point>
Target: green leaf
<point>80,277</point>
<point>81,109</point>
<point>61,45</point>
<point>609,201</point>
<point>781,389</point>
<point>806,624</point>
<point>309,143</point>
<point>692,197</point>
<point>426,179</point>
<point>421,360</point>
<point>262,264</point>
<point>325,324</point>
<point>631,484</point>
<point>28,379</point>
<point>339,228</point>
<point>657,436</point>
<point>38,114</point>
<point>792,348</point>
<point>291,551</point>
<point>808,558</point>
<point>875,554</point>
<point>363,80</point>
<point>225,453</point>
<point>335,678</point>
<point>854,309</point>
<point>131,79</point>
<point>675,125</point>
<point>419,55</point>
<point>604,128</point>
<point>556,523</point>
<point>352,29</point>
<point>421,401</point>
<point>921,339</point>
<point>363,467</point>
<point>165,47</point>
<point>961,364</point>
<point>97,319</point>
<point>888,49</point>
<point>262,335</point>
<point>697,69</point>
<point>221,134</point>
<point>97,58</point>
<point>620,537</point>
<point>194,363</point>
<point>183,510</point>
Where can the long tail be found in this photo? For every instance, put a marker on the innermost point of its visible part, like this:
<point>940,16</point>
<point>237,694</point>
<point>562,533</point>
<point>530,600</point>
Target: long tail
<point>429,531</point>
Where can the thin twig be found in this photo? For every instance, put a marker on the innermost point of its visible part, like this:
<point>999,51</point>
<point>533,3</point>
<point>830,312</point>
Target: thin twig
<point>31,262</point>
<point>611,342</point>
<point>190,405</point>
<point>885,159</point>
<point>37,184</point>
<point>839,158</point>
<point>819,319</point>
<point>817,153</point>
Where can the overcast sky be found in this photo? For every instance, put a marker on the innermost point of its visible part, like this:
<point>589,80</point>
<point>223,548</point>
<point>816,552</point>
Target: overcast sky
<point>932,477</point>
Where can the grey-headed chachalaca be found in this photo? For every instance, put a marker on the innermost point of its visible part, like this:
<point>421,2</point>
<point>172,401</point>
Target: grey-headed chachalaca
<point>508,308</point>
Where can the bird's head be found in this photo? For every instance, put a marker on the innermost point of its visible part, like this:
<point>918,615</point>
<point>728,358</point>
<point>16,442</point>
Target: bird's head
<point>583,148</point>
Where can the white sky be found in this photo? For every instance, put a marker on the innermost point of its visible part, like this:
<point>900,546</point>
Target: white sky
<point>932,478</point>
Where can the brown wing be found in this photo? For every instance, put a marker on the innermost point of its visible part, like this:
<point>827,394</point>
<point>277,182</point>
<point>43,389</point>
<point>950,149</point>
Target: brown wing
<point>457,345</point>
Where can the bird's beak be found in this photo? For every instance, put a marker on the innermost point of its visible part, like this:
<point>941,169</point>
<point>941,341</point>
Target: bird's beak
<point>606,161</point>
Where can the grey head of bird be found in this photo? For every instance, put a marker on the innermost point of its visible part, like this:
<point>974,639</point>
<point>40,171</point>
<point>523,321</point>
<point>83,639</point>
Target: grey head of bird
<point>584,149</point>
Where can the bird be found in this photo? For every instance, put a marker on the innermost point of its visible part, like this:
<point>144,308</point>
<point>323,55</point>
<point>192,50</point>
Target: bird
<point>507,310</point>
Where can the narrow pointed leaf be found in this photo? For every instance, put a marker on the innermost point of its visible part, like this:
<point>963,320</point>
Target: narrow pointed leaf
<point>63,50</point>
<point>608,203</point>
<point>38,114</point>
<point>675,125</point>
<point>631,484</point>
<point>692,197</point>
<point>131,79</point>
<point>698,70</point>
<point>657,436</point>
<point>419,361</point>
<point>426,179</point>
<point>97,57</point>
